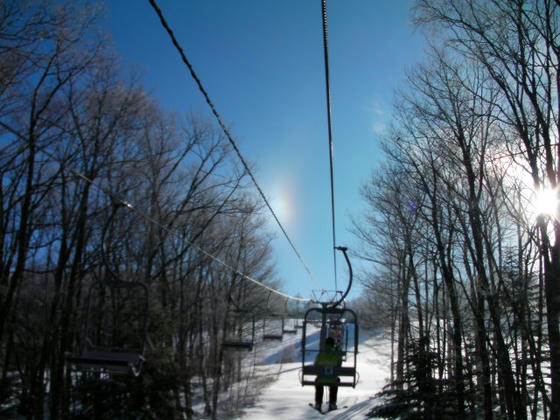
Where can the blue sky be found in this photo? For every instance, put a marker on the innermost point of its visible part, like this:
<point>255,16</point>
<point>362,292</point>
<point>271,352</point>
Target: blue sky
<point>261,62</point>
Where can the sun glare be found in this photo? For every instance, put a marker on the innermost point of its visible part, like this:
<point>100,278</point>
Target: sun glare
<point>283,208</point>
<point>282,200</point>
<point>546,202</point>
<point>537,202</point>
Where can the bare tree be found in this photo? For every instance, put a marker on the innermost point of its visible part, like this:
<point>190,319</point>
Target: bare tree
<point>517,45</point>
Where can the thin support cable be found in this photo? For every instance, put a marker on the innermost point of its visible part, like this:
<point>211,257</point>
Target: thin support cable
<point>226,131</point>
<point>147,217</point>
<point>328,91</point>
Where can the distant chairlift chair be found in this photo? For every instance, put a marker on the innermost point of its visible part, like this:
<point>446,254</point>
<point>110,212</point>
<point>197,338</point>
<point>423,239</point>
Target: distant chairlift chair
<point>121,358</point>
<point>273,327</point>
<point>340,331</point>
<point>126,306</point>
<point>288,326</point>
<point>240,331</point>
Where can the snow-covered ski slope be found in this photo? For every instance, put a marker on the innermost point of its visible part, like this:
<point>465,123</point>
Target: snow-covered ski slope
<point>285,398</point>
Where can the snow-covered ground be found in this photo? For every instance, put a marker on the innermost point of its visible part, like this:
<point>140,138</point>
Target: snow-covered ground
<point>284,398</point>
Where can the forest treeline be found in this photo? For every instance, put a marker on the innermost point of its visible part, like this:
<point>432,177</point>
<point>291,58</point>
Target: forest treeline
<point>465,261</point>
<point>100,185</point>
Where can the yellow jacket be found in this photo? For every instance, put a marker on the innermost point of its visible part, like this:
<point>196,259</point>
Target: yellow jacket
<point>328,359</point>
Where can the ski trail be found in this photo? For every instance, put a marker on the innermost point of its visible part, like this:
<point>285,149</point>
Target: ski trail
<point>286,399</point>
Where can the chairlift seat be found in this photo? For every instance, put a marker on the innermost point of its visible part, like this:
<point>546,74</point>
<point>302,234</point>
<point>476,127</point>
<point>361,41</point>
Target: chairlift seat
<point>108,361</point>
<point>289,331</point>
<point>318,382</point>
<point>344,371</point>
<point>272,336</point>
<point>238,345</point>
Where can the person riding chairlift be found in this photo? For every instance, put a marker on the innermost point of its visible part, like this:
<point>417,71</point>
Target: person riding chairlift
<point>330,357</point>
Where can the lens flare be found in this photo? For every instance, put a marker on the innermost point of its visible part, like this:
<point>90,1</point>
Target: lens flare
<point>282,199</point>
<point>546,202</point>
<point>283,208</point>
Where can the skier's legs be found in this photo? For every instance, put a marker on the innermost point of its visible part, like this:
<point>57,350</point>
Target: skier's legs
<point>318,394</point>
<point>333,393</point>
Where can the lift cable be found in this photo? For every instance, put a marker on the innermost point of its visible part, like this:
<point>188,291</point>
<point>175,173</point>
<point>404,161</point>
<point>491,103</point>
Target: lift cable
<point>328,91</point>
<point>147,217</point>
<point>226,131</point>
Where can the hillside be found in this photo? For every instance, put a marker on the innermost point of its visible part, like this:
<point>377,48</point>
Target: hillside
<point>285,398</point>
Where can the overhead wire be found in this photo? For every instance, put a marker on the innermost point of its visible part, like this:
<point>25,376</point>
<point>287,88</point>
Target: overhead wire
<point>147,217</point>
<point>226,132</point>
<point>329,121</point>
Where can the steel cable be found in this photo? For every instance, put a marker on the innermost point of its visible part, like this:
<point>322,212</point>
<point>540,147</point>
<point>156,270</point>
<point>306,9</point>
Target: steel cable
<point>329,121</point>
<point>226,131</point>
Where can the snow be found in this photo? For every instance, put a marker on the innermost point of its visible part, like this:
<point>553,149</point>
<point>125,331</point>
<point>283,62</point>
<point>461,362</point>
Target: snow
<point>285,398</point>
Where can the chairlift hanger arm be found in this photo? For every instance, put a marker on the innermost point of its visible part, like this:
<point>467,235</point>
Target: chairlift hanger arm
<point>344,249</point>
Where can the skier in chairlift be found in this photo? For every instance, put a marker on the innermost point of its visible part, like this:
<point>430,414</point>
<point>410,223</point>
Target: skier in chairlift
<point>327,359</point>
